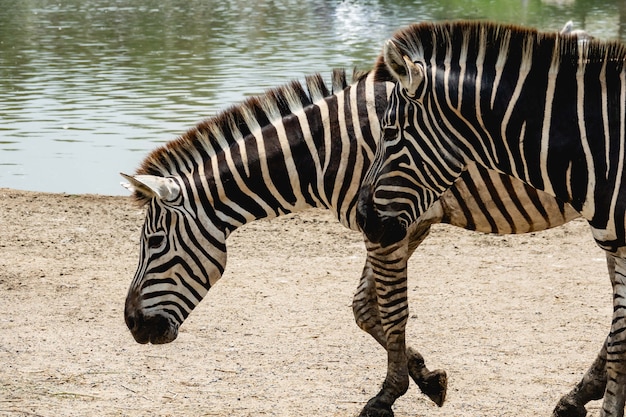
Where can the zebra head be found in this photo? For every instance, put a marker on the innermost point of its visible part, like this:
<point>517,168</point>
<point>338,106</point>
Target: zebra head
<point>406,176</point>
<point>182,254</point>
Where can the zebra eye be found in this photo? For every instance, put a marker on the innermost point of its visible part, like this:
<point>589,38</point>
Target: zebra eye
<point>155,241</point>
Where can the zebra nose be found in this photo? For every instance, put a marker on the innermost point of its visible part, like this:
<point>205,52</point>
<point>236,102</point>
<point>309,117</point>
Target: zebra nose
<point>155,328</point>
<point>131,322</point>
<point>142,328</point>
<point>135,323</point>
<point>131,308</point>
<point>134,320</point>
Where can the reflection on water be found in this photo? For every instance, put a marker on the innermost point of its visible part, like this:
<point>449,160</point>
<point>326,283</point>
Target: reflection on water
<point>88,87</point>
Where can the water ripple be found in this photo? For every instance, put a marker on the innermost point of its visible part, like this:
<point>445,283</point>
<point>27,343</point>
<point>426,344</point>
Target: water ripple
<point>88,87</point>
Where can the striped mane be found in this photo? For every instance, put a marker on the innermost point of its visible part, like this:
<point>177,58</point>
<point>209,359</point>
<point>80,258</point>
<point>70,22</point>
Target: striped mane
<point>220,132</point>
<point>425,39</point>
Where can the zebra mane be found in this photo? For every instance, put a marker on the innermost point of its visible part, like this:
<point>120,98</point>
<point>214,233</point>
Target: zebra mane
<point>226,128</point>
<point>429,38</point>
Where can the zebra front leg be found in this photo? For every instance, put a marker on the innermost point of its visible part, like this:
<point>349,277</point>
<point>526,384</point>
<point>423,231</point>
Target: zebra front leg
<point>433,384</point>
<point>389,270</point>
<point>591,387</point>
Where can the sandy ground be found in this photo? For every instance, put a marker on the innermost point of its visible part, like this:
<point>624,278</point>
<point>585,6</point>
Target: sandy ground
<point>514,320</point>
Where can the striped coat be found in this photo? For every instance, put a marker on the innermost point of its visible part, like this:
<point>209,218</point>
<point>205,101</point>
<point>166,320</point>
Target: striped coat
<point>547,109</point>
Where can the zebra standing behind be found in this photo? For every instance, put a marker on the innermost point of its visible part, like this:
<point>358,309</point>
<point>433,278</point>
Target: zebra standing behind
<point>544,108</point>
<point>294,147</point>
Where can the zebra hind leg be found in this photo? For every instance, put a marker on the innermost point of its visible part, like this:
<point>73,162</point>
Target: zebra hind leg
<point>615,392</point>
<point>593,384</point>
<point>434,384</point>
<point>591,387</point>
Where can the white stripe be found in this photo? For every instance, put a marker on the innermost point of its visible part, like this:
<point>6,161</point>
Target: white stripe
<point>451,164</point>
<point>605,114</point>
<point>500,63</point>
<point>307,137</point>
<point>547,118</point>
<point>325,115</point>
<point>203,187</point>
<point>232,167</point>
<point>525,66</point>
<point>220,193</point>
<point>462,62</point>
<point>221,140</point>
<point>345,148</point>
<point>568,178</point>
<point>480,62</point>
<point>374,122</point>
<point>357,168</point>
<point>589,206</point>
<point>447,69</point>
<point>522,134</point>
<point>620,167</point>
<point>251,123</point>
<point>273,114</point>
<point>294,178</point>
<point>359,162</point>
<point>446,160</point>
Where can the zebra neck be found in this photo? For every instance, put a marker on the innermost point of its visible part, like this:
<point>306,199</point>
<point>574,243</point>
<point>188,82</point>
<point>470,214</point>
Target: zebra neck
<point>315,157</point>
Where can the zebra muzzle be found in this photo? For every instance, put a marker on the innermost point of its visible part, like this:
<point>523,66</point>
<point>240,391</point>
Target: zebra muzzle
<point>156,328</point>
<point>377,229</point>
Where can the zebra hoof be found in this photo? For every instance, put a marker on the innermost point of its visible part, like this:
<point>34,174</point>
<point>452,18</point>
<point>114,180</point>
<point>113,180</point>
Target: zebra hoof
<point>567,407</point>
<point>434,384</point>
<point>374,408</point>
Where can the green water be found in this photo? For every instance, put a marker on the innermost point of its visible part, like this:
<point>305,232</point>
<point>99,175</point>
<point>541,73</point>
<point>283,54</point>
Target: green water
<point>88,87</point>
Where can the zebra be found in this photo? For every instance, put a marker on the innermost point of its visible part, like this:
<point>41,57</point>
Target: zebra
<point>295,147</point>
<point>545,108</point>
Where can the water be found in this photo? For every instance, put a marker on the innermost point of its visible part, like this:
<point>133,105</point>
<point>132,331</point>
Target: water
<point>89,87</point>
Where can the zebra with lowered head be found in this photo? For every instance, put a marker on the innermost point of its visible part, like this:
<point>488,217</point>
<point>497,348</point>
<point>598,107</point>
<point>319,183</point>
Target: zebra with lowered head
<point>295,147</point>
<point>544,108</point>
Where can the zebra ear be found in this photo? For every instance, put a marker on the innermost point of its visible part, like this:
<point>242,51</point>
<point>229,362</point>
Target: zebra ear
<point>409,74</point>
<point>150,186</point>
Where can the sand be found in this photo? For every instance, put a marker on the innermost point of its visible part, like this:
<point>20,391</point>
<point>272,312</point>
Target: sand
<point>514,320</point>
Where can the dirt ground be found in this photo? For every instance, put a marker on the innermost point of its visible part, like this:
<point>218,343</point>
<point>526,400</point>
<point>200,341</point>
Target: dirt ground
<point>514,320</point>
